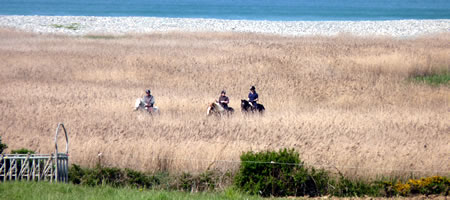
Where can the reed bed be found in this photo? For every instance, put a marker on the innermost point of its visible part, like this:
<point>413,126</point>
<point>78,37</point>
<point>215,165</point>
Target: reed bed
<point>344,102</point>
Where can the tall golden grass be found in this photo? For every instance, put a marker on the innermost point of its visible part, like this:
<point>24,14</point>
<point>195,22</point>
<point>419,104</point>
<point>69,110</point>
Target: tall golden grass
<point>343,102</point>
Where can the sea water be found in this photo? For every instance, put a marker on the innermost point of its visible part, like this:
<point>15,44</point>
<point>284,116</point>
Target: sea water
<point>274,10</point>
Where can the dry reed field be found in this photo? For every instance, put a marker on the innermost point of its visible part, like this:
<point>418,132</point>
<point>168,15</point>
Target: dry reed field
<point>344,102</point>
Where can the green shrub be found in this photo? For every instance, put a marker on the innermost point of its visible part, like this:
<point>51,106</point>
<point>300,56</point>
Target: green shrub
<point>281,173</point>
<point>312,182</point>
<point>356,187</point>
<point>140,180</point>
<point>111,176</point>
<point>2,146</point>
<point>163,180</point>
<point>96,176</point>
<point>76,174</point>
<point>203,182</point>
<point>426,186</point>
<point>206,181</point>
<point>22,151</point>
<point>186,181</point>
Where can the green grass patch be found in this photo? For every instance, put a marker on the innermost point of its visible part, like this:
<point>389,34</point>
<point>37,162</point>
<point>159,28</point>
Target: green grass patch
<point>433,79</point>
<point>103,37</point>
<point>59,191</point>
<point>22,151</point>
<point>72,26</point>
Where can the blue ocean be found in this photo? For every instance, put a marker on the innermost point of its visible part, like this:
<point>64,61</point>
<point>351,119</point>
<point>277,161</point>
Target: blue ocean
<point>274,10</point>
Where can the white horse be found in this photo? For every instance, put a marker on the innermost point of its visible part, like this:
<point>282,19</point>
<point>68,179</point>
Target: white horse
<point>141,105</point>
<point>216,108</point>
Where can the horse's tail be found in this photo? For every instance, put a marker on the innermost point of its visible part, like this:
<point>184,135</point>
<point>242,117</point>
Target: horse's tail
<point>156,110</point>
<point>262,108</point>
<point>231,110</point>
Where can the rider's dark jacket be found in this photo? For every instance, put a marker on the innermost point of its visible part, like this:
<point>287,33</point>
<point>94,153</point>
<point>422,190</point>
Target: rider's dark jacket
<point>252,96</point>
<point>224,98</point>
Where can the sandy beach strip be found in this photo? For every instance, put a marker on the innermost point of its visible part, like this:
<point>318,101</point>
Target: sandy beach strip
<point>85,25</point>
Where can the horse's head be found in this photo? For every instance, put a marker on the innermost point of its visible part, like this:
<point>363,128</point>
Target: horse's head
<point>244,104</point>
<point>210,109</point>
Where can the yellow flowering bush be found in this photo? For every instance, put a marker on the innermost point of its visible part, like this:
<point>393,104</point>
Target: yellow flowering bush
<point>402,189</point>
<point>426,186</point>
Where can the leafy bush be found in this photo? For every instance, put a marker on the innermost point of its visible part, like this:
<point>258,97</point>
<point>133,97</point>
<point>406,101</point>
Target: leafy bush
<point>203,182</point>
<point>110,176</point>
<point>281,173</point>
<point>350,188</point>
<point>22,151</point>
<point>425,186</point>
<point>186,182</point>
<point>76,174</point>
<point>312,182</point>
<point>207,181</point>
<point>430,185</point>
<point>2,146</point>
<point>141,180</point>
<point>127,177</point>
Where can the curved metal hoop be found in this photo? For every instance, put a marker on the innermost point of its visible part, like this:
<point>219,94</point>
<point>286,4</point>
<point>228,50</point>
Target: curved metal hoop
<point>56,138</point>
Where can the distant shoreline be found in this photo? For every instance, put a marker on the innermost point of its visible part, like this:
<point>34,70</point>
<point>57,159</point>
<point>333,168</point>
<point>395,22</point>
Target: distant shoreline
<point>89,25</point>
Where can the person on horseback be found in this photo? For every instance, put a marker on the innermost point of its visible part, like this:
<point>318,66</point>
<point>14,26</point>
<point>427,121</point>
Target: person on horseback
<point>149,100</point>
<point>253,97</point>
<point>224,100</point>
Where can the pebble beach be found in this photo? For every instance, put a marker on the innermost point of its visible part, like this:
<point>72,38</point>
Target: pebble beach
<point>87,25</point>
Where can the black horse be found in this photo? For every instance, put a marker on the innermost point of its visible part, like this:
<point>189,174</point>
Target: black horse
<point>247,107</point>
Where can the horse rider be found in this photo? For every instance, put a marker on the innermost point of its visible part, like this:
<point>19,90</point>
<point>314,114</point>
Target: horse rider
<point>224,100</point>
<point>253,97</point>
<point>149,100</point>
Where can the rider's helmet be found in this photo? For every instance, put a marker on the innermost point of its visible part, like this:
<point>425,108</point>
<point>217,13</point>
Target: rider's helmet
<point>147,91</point>
<point>223,92</point>
<point>253,88</point>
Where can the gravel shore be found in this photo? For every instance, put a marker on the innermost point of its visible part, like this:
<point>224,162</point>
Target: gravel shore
<point>83,25</point>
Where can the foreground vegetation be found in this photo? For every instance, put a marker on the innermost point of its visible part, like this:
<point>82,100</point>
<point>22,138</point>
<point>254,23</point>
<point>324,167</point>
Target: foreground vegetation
<point>269,173</point>
<point>51,191</point>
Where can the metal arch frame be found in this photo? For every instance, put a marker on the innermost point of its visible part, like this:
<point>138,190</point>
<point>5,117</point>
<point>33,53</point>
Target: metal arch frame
<point>56,138</point>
